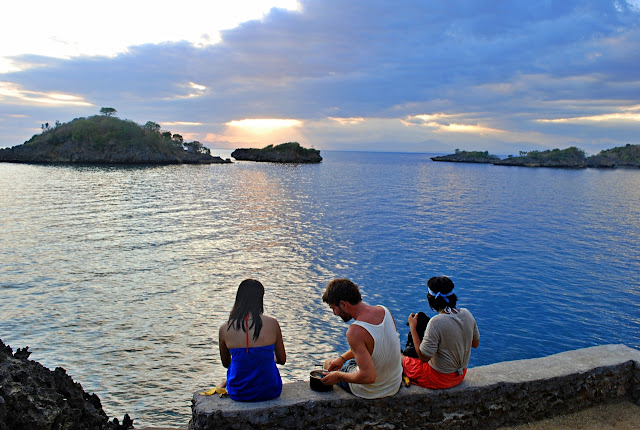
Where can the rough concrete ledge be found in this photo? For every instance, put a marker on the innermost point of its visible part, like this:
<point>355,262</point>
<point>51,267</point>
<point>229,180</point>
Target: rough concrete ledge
<point>491,396</point>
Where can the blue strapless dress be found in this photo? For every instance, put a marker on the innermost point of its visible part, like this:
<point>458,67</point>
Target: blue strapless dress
<point>253,375</point>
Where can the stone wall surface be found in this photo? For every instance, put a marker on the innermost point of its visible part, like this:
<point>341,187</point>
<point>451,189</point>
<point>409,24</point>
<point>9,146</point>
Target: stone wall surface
<point>491,396</point>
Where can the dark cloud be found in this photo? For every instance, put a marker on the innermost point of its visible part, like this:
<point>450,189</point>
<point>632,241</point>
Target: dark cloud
<point>373,59</point>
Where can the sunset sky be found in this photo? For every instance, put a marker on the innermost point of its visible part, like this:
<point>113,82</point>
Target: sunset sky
<point>406,75</point>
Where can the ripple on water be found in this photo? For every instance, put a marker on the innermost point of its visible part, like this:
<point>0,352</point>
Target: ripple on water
<point>123,275</point>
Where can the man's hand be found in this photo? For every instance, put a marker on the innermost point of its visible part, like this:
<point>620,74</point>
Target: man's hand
<point>332,378</point>
<point>335,364</point>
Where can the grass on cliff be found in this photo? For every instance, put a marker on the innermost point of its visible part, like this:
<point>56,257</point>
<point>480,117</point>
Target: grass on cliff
<point>100,131</point>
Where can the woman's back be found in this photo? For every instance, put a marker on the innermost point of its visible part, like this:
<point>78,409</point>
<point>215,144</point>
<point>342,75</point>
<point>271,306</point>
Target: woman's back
<point>252,374</point>
<point>237,337</point>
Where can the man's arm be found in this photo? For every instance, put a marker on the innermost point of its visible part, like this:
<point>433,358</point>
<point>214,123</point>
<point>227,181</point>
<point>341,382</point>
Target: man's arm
<point>358,338</point>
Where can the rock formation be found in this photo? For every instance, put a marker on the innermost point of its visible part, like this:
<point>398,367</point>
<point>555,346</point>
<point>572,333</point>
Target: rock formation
<point>290,152</point>
<point>33,397</point>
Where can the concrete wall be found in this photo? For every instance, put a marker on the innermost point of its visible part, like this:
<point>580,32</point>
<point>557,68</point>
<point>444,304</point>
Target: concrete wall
<point>491,396</point>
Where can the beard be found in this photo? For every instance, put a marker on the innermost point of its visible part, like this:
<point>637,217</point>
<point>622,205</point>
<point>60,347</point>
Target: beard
<point>345,316</point>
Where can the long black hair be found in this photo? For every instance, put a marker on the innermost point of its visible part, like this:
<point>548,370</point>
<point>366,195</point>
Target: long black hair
<point>248,301</point>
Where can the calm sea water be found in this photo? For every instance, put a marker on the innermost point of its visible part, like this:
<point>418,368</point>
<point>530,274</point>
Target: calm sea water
<point>123,275</point>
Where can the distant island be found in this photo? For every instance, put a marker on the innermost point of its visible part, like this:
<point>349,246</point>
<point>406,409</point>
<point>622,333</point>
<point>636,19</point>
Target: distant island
<point>468,157</point>
<point>290,152</point>
<point>106,139</point>
<point>572,157</point>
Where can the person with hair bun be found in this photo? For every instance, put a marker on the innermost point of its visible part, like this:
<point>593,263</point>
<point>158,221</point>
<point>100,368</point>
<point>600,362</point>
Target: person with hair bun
<point>249,341</point>
<point>445,349</point>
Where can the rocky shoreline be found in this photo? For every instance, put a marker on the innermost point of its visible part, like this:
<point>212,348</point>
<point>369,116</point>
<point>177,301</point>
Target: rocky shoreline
<point>78,153</point>
<point>33,397</point>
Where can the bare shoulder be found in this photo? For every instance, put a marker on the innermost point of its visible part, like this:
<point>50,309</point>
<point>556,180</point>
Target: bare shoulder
<point>269,321</point>
<point>355,332</point>
<point>223,327</point>
<point>222,331</point>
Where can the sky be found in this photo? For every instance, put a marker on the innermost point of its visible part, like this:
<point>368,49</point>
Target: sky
<point>402,76</point>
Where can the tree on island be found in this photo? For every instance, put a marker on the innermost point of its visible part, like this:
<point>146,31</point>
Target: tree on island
<point>153,126</point>
<point>108,111</point>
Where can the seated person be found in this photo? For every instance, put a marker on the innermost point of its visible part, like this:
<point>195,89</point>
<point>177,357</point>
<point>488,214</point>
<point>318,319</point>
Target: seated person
<point>249,340</point>
<point>372,368</point>
<point>445,348</point>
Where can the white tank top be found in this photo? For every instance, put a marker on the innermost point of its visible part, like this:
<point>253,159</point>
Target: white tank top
<point>386,359</point>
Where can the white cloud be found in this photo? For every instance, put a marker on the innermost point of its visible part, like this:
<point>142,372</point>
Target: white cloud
<point>14,94</point>
<point>71,28</point>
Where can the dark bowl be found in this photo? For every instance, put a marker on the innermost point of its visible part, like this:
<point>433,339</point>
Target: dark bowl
<point>315,381</point>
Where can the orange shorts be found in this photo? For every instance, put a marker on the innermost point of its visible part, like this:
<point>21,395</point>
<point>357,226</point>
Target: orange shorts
<point>423,375</point>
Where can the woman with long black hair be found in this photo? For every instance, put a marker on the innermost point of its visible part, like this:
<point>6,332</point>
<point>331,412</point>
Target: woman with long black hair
<point>249,341</point>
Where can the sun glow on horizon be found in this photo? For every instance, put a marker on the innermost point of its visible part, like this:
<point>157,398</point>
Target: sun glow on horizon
<point>264,124</point>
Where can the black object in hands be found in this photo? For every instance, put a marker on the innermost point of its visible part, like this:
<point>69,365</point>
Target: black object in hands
<point>410,348</point>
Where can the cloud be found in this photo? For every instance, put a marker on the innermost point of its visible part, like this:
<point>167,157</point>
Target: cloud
<point>417,75</point>
<point>14,94</point>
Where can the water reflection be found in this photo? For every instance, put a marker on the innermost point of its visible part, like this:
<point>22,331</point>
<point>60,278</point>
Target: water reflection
<point>123,275</point>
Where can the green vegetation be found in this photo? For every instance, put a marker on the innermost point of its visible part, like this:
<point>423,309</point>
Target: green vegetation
<point>290,152</point>
<point>468,157</point>
<point>108,111</point>
<point>290,147</point>
<point>572,157</point>
<point>628,155</point>
<point>104,130</point>
<point>569,157</point>
<point>479,155</point>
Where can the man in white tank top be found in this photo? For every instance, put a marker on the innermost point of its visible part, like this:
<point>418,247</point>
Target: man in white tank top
<point>372,368</point>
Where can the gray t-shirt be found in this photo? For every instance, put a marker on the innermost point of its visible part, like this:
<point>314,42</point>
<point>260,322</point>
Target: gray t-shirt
<point>447,340</point>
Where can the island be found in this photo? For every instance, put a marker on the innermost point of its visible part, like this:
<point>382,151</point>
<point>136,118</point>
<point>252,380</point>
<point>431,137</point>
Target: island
<point>290,152</point>
<point>572,157</point>
<point>106,139</point>
<point>621,156</point>
<point>468,157</point>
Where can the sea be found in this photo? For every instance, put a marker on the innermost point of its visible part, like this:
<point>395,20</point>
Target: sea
<point>123,275</point>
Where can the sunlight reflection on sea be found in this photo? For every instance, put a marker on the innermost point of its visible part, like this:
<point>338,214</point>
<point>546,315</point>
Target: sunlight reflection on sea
<point>122,275</point>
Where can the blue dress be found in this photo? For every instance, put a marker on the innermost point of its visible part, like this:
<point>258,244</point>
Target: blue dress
<point>253,375</point>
